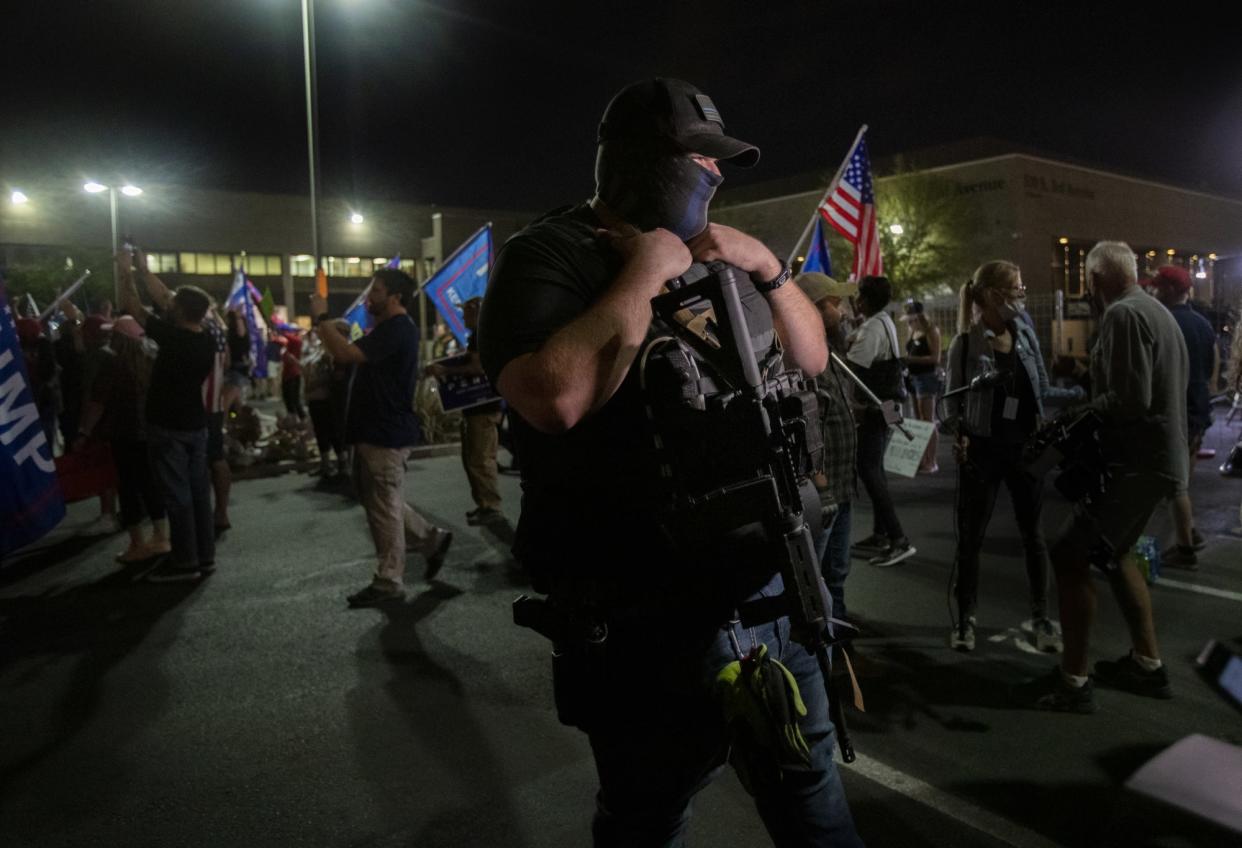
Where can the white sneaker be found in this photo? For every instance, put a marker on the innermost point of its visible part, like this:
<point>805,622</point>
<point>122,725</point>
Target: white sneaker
<point>104,525</point>
<point>1047,636</point>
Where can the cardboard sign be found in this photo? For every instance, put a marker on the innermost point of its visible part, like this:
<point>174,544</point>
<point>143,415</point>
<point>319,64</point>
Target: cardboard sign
<point>460,392</point>
<point>904,455</point>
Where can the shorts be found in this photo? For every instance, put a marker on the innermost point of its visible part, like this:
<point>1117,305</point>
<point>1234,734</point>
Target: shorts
<point>926,385</point>
<point>1109,528</point>
<point>215,436</point>
<point>235,378</point>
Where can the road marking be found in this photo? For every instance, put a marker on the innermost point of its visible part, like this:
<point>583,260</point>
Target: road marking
<point>1202,590</point>
<point>997,827</point>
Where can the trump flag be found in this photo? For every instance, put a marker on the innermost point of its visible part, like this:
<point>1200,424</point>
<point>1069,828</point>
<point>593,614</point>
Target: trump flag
<point>461,277</point>
<point>30,498</point>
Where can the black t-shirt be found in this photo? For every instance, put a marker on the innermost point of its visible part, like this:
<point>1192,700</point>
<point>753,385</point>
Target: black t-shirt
<point>590,496</point>
<point>1016,428</point>
<point>175,397</point>
<point>381,399</point>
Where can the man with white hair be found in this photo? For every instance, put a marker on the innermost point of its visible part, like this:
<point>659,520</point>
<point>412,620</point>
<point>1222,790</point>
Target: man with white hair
<point>1139,371</point>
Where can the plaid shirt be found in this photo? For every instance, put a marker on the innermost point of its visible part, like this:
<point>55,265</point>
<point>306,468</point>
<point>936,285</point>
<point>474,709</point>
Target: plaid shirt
<point>840,436</point>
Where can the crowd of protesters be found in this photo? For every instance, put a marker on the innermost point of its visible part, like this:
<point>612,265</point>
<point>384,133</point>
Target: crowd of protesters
<point>154,386</point>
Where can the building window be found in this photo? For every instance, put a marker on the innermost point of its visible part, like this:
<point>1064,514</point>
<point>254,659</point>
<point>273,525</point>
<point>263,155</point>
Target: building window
<point>302,265</point>
<point>162,263</point>
<point>259,265</point>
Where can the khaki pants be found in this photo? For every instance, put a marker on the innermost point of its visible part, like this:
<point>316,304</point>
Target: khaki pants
<point>479,441</point>
<point>380,474</point>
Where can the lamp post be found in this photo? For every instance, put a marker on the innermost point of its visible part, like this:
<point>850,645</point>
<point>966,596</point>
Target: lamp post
<point>129,190</point>
<point>312,121</point>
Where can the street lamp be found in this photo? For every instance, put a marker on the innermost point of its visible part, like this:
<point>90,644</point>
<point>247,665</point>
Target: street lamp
<point>356,218</point>
<point>18,197</point>
<point>896,229</point>
<point>312,121</point>
<point>129,190</point>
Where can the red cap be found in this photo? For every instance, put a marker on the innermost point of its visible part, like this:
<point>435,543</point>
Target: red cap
<point>1172,278</point>
<point>94,327</point>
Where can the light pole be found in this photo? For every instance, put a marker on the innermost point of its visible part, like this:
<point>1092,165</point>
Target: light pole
<point>129,190</point>
<point>312,121</point>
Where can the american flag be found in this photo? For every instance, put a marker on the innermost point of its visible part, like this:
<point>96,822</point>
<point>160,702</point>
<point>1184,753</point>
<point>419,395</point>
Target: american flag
<point>850,209</point>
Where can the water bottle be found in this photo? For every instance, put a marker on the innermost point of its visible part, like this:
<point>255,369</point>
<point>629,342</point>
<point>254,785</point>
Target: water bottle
<point>1147,552</point>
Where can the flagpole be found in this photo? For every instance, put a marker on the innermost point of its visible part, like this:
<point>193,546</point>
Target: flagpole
<point>836,179</point>
<point>43,316</point>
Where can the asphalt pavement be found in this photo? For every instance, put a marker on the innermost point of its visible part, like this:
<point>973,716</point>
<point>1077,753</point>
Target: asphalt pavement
<point>254,708</point>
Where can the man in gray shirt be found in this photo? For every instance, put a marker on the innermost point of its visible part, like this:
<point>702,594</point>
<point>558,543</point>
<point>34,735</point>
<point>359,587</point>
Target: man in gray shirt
<point>1139,371</point>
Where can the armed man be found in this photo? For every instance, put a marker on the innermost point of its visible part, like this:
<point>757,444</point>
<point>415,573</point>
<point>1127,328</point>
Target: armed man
<point>643,621</point>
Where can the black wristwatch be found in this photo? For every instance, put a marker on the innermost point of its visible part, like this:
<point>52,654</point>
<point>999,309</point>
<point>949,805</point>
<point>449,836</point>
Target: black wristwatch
<point>773,284</point>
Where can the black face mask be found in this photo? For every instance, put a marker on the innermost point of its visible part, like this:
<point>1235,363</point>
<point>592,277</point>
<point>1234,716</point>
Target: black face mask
<point>651,190</point>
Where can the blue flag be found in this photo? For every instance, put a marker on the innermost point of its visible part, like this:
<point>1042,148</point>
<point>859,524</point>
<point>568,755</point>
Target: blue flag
<point>30,498</point>
<point>460,278</point>
<point>244,295</point>
<point>817,257</point>
<point>359,319</point>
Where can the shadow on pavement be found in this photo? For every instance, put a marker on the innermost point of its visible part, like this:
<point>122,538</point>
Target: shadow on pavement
<point>25,563</point>
<point>434,773</point>
<point>94,626</point>
<point>1093,815</point>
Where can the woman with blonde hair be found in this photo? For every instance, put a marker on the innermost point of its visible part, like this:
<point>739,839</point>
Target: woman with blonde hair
<point>992,424</point>
<point>116,411</point>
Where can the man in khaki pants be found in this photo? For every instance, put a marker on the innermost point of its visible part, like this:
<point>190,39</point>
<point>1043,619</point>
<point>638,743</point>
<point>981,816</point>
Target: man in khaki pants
<point>479,437</point>
<point>382,427</point>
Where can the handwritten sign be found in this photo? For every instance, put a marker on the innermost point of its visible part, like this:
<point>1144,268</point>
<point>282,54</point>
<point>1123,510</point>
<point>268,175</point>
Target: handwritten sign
<point>904,455</point>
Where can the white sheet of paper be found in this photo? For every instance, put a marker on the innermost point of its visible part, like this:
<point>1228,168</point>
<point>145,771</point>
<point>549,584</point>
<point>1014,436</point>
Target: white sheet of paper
<point>903,455</point>
<point>1199,774</point>
<point>1010,412</point>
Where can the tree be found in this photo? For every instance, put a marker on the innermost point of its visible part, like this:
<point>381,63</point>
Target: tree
<point>931,253</point>
<point>47,274</point>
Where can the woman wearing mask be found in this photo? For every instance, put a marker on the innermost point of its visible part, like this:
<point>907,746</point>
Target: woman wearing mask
<point>993,423</point>
<point>923,362</point>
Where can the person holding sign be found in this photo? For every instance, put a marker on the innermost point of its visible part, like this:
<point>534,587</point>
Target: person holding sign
<point>479,435</point>
<point>993,422</point>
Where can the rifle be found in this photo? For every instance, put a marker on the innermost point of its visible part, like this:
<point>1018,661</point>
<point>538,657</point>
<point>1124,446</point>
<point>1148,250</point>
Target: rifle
<point>782,410</point>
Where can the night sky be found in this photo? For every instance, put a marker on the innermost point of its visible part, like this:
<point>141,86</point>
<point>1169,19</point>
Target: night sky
<point>466,102</point>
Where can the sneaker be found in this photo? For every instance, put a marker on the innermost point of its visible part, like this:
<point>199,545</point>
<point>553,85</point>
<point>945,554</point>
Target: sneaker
<point>1046,636</point>
<point>1052,692</point>
<point>174,573</point>
<point>874,542</point>
<point>104,525</point>
<point>1128,675</point>
<point>435,559</point>
<point>962,637</point>
<point>1180,557</point>
<point>895,553</point>
<point>375,594</point>
<point>483,516</point>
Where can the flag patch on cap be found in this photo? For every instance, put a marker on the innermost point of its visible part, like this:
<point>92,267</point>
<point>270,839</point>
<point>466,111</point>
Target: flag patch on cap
<point>708,109</point>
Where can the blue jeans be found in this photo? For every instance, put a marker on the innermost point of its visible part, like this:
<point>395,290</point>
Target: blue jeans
<point>832,546</point>
<point>179,459</point>
<point>661,737</point>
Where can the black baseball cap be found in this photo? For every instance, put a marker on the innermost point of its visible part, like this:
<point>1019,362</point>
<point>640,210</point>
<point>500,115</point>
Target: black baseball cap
<point>677,111</point>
